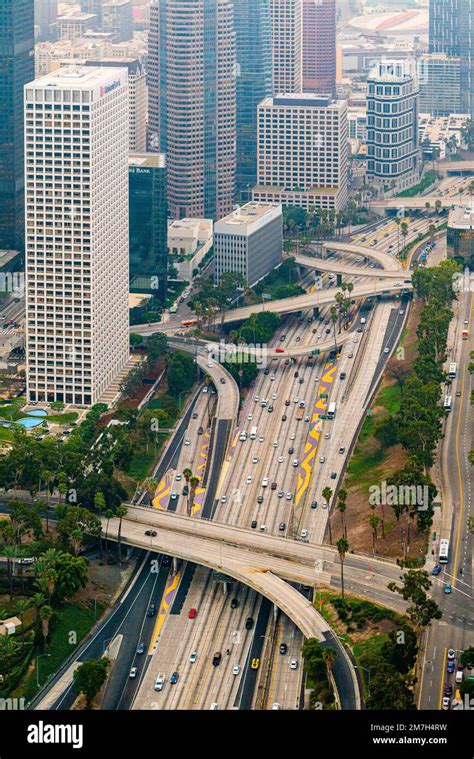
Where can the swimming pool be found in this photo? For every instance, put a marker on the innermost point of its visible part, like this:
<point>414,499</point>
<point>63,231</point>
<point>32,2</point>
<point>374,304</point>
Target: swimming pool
<point>29,422</point>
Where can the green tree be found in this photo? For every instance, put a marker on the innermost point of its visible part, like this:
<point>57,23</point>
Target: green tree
<point>342,548</point>
<point>45,612</point>
<point>120,513</point>
<point>89,678</point>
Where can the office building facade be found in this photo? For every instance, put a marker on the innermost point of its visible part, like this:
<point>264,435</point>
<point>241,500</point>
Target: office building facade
<point>287,45</point>
<point>138,99</point>
<point>249,241</point>
<point>46,14</point>
<point>439,78</point>
<point>17,67</point>
<point>148,224</point>
<point>393,154</point>
<point>192,103</point>
<point>460,234</point>
<point>451,31</point>
<point>254,83</point>
<point>117,18</point>
<point>76,143</point>
<point>319,46</point>
<point>302,151</point>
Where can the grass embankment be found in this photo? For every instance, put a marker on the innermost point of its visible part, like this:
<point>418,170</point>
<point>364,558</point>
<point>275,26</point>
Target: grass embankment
<point>68,628</point>
<point>428,179</point>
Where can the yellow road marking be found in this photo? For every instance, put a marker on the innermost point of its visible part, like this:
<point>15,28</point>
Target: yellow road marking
<point>442,679</point>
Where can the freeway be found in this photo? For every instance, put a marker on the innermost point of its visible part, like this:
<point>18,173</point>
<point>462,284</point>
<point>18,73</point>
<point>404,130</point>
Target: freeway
<point>321,264</point>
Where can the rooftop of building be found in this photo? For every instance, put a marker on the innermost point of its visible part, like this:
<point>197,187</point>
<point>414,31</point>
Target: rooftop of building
<point>145,160</point>
<point>77,77</point>
<point>77,16</point>
<point>304,99</point>
<point>134,65</point>
<point>462,217</point>
<point>246,215</point>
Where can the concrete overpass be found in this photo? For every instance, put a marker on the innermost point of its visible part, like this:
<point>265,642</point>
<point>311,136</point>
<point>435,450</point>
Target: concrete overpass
<point>455,167</point>
<point>322,264</point>
<point>418,203</point>
<point>389,263</point>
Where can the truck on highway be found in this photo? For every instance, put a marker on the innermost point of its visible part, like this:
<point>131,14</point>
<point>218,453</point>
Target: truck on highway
<point>465,334</point>
<point>299,413</point>
<point>331,410</point>
<point>253,433</point>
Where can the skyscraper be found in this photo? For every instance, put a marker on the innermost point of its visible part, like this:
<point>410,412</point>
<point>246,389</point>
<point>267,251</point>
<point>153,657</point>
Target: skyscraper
<point>319,46</point>
<point>77,233</point>
<point>17,67</point>
<point>393,154</point>
<point>451,31</point>
<point>287,43</point>
<point>148,224</point>
<point>192,103</point>
<point>254,83</point>
<point>46,13</point>
<point>302,151</point>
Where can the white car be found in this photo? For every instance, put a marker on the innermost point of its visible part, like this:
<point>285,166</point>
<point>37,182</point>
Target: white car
<point>304,533</point>
<point>187,442</point>
<point>274,395</point>
<point>159,682</point>
<point>296,400</point>
<point>210,364</point>
<point>322,459</point>
<point>275,706</point>
<point>385,350</point>
<point>327,435</point>
<point>265,482</point>
<point>280,459</point>
<point>451,654</point>
<point>250,417</point>
<point>272,377</point>
<point>289,496</point>
<point>179,477</point>
<point>261,439</point>
<point>224,499</point>
<point>292,436</point>
<point>295,462</point>
<point>236,669</point>
<point>256,399</point>
<point>446,703</point>
<point>255,460</point>
<point>316,379</point>
<point>356,339</point>
<point>280,494</point>
<point>401,312</point>
<point>325,505</point>
<point>133,672</point>
<point>275,443</point>
<point>193,658</point>
<point>249,479</point>
<point>293,664</point>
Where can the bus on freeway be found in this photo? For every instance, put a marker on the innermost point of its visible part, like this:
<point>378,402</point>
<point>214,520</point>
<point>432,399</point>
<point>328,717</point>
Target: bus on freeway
<point>443,551</point>
<point>331,410</point>
<point>189,323</point>
<point>452,371</point>
<point>465,334</point>
<point>447,403</point>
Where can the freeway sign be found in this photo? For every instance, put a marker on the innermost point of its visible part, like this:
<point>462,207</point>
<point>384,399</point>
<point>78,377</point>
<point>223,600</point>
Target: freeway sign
<point>316,352</point>
<point>323,395</point>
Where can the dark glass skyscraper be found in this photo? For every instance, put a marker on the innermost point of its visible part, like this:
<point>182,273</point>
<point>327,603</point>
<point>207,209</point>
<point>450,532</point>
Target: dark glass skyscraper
<point>17,68</point>
<point>148,224</point>
<point>452,32</point>
<point>253,41</point>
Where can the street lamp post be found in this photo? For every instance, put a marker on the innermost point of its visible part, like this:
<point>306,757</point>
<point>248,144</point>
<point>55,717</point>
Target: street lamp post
<point>37,668</point>
<point>95,602</point>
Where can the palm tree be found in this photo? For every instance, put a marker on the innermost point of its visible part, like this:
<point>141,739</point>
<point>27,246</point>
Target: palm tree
<point>334,317</point>
<point>342,549</point>
<point>193,483</point>
<point>120,512</point>
<point>341,507</point>
<point>327,493</point>
<point>149,485</point>
<point>46,612</point>
<point>21,606</point>
<point>187,474</point>
<point>329,658</point>
<point>374,523</point>
<point>108,515</point>
<point>38,600</point>
<point>75,539</point>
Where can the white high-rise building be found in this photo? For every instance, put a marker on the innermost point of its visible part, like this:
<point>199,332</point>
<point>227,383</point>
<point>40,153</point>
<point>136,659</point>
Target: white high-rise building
<point>76,177</point>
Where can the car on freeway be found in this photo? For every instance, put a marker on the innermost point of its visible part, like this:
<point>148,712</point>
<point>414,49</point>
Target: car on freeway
<point>192,613</point>
<point>342,375</point>
<point>260,499</point>
<point>296,375</point>
<point>159,682</point>
<point>280,494</point>
<point>283,648</point>
<point>216,659</point>
<point>255,663</point>
<point>460,673</point>
<point>350,355</point>
<point>451,667</point>
<point>275,706</point>
<point>322,459</point>
<point>174,678</point>
<point>141,648</point>
<point>282,526</point>
<point>249,623</point>
<point>287,402</point>
<point>193,657</point>
<point>314,331</point>
<point>451,654</point>
<point>236,669</point>
<point>446,703</point>
<point>298,339</point>
<point>284,418</point>
<point>301,380</point>
<point>296,400</point>
<point>234,603</point>
<point>447,588</point>
<point>295,463</point>
<point>458,393</point>
<point>261,439</point>
<point>359,329</point>
<point>253,524</point>
<point>255,460</point>
<point>195,415</point>
<point>133,672</point>
<point>256,399</point>
<point>328,330</point>
<point>327,435</point>
<point>224,499</point>
<point>250,417</point>
<point>174,496</point>
<point>204,390</point>
<point>267,370</point>
<point>401,312</point>
<point>272,377</point>
<point>274,486</point>
<point>276,443</point>
<point>291,450</point>
<point>282,338</point>
<point>179,477</point>
<point>187,442</point>
<point>274,395</point>
<point>386,349</point>
<point>356,339</point>
<point>436,570</point>
<point>289,496</point>
<point>293,664</point>
<point>222,381</point>
<point>292,436</point>
<point>151,533</point>
<point>342,450</point>
<point>249,479</point>
<point>265,482</point>
<point>280,459</point>
<point>151,610</point>
<point>333,475</point>
<point>314,504</point>
<point>304,533</point>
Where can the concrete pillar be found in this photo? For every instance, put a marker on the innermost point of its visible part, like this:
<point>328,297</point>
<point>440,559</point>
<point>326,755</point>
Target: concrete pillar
<point>176,563</point>
<point>339,279</point>
<point>316,311</point>
<point>275,613</point>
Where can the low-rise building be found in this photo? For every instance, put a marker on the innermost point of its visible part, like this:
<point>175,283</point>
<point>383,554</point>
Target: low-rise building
<point>249,241</point>
<point>189,240</point>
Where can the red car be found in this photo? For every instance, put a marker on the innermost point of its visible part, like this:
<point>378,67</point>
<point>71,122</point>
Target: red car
<point>192,613</point>
<point>279,350</point>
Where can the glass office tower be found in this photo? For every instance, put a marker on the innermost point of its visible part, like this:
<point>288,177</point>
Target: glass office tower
<point>17,68</point>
